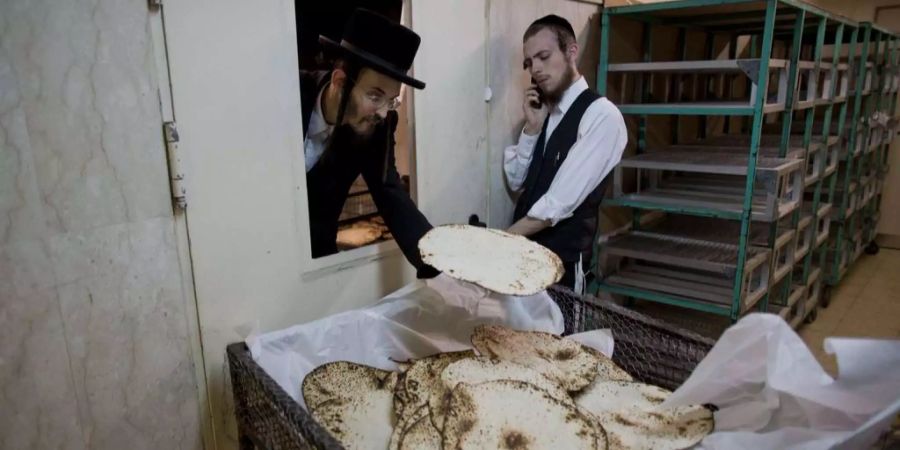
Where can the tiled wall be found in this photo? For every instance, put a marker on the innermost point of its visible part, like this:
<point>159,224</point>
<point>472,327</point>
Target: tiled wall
<point>94,340</point>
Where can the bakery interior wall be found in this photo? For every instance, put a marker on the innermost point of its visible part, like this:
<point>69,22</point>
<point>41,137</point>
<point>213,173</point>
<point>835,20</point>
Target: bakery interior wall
<point>98,338</point>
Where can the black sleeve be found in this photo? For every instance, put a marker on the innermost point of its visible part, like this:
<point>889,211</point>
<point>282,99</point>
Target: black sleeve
<point>406,223</point>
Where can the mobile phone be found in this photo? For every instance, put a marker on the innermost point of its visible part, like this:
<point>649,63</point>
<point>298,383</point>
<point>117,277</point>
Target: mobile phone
<point>537,105</point>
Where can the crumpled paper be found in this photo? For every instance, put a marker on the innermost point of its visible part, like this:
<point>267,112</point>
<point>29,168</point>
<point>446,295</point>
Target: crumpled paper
<point>419,320</point>
<point>772,392</point>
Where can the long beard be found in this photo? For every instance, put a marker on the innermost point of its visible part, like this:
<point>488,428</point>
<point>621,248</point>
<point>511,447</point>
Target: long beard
<point>353,112</point>
<point>554,96</point>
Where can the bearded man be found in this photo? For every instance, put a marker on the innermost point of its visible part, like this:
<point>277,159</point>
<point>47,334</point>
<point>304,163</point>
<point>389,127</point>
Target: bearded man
<point>349,120</point>
<point>571,141</point>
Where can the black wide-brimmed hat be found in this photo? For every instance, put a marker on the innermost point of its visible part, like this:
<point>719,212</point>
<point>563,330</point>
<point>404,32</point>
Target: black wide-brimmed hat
<point>379,43</point>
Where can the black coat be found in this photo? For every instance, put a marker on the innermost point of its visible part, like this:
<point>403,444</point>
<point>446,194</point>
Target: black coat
<point>328,182</point>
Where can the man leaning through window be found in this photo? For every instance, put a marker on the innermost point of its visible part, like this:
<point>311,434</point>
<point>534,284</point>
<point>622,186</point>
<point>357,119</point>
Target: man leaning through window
<point>349,120</point>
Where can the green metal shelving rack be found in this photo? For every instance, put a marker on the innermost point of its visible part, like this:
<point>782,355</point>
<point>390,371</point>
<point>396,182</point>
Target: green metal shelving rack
<point>790,190</point>
<point>864,170</point>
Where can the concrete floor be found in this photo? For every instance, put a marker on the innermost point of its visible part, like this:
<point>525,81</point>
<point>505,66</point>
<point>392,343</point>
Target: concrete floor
<point>866,303</point>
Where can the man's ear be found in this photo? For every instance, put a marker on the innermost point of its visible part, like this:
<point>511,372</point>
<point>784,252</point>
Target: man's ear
<point>572,51</point>
<point>338,78</point>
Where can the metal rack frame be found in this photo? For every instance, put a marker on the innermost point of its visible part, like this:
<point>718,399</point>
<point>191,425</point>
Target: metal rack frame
<point>858,197</point>
<point>822,163</point>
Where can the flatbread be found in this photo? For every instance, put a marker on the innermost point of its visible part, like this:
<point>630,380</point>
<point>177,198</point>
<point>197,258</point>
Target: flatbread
<point>361,419</point>
<point>605,396</point>
<point>493,259</point>
<point>358,235</point>
<point>515,415</point>
<point>482,369</point>
<point>421,435</point>
<point>424,376</point>
<point>401,398</point>
<point>633,418</point>
<point>405,423</point>
<point>342,380</point>
<point>634,429</point>
<point>564,361</point>
<point>607,370</point>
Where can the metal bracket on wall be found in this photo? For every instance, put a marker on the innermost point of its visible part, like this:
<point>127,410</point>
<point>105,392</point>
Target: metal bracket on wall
<point>154,4</point>
<point>750,67</point>
<point>176,171</point>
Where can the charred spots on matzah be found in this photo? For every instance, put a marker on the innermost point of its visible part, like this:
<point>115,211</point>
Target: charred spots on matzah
<point>515,440</point>
<point>565,354</point>
<point>498,408</point>
<point>624,421</point>
<point>539,350</point>
<point>466,425</point>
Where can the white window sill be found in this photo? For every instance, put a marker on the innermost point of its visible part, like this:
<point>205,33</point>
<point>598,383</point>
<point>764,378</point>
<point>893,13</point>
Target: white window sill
<point>317,267</point>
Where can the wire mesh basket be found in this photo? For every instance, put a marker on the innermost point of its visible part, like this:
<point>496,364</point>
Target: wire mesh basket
<point>650,350</point>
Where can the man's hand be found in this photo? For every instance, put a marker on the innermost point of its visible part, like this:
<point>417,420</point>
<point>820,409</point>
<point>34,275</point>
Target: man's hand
<point>527,226</point>
<point>534,117</point>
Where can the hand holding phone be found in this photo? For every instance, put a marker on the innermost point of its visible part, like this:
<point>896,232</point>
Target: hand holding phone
<point>536,104</point>
<point>535,109</point>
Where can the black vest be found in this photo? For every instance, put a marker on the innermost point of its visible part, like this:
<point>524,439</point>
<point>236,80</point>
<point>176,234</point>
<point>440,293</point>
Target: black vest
<point>328,182</point>
<point>573,236</point>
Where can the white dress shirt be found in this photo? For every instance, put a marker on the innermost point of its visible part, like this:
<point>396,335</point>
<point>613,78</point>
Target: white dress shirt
<point>601,139</point>
<point>317,135</point>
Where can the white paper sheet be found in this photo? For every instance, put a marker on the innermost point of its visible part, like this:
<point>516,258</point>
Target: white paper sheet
<point>772,393</point>
<point>601,340</point>
<point>418,320</point>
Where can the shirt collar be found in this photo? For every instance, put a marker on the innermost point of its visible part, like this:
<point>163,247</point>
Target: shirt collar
<point>571,94</point>
<point>318,127</point>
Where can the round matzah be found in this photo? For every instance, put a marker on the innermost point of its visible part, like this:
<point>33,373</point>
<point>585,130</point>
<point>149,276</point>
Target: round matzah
<point>424,376</point>
<point>480,370</point>
<point>421,435</point>
<point>362,422</point>
<point>404,423</point>
<point>493,259</point>
<point>564,361</point>
<point>342,380</point>
<point>515,415</point>
<point>632,415</point>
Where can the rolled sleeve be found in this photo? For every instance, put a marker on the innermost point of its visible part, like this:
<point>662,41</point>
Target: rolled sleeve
<point>550,209</point>
<point>517,158</point>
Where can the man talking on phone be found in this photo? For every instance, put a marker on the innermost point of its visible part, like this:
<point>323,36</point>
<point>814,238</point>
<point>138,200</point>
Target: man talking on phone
<point>571,141</point>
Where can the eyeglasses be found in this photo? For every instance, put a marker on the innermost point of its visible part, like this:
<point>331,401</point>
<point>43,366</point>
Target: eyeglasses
<point>380,101</point>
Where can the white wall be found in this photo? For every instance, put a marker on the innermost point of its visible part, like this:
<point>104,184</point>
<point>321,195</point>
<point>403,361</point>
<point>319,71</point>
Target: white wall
<point>451,114</point>
<point>95,320</point>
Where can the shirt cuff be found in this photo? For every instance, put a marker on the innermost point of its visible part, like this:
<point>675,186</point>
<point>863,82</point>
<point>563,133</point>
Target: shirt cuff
<point>546,208</point>
<point>526,143</point>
